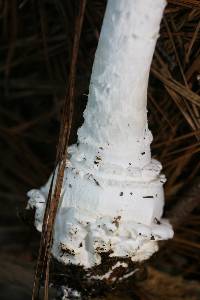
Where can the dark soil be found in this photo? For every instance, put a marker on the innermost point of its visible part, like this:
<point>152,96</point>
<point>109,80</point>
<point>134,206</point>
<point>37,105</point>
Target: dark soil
<point>89,283</point>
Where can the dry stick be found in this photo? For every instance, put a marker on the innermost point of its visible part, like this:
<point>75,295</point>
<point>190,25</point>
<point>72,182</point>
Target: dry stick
<point>178,87</point>
<point>175,92</point>
<point>175,51</point>
<point>176,98</point>
<point>63,140</point>
<point>40,262</point>
<point>187,3</point>
<point>192,42</point>
<point>42,268</point>
<point>180,138</point>
<point>194,119</point>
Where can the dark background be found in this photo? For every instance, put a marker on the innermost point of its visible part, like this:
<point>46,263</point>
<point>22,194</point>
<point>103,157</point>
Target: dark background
<point>35,53</point>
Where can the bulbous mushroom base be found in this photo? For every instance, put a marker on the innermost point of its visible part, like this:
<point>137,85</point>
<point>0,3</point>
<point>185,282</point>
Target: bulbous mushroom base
<point>109,220</point>
<point>99,212</point>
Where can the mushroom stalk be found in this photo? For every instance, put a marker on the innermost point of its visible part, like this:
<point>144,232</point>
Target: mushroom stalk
<point>112,196</point>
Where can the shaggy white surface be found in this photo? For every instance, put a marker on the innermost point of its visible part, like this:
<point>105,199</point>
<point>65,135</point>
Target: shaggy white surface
<point>112,196</point>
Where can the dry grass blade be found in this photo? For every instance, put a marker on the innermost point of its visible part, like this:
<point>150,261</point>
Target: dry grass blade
<point>54,195</point>
<point>187,3</point>
<point>178,87</point>
<point>192,42</point>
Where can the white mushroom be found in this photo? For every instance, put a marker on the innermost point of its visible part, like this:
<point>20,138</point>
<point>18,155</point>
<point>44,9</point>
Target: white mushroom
<point>112,196</point>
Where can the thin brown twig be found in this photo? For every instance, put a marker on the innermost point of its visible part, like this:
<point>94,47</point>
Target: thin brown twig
<point>42,268</point>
